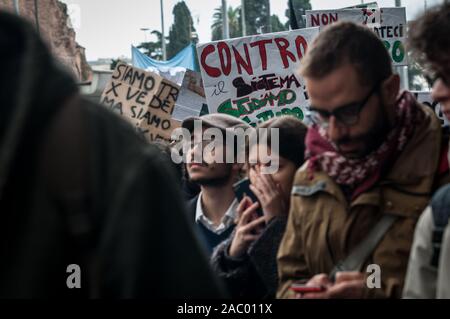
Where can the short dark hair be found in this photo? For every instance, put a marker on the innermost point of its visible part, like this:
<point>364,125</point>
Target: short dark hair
<point>429,36</point>
<point>292,133</point>
<point>347,42</point>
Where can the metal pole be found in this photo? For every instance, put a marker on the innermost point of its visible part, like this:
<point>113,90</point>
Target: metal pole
<point>244,27</point>
<point>403,70</point>
<point>16,7</point>
<point>163,37</point>
<point>269,22</point>
<point>225,30</point>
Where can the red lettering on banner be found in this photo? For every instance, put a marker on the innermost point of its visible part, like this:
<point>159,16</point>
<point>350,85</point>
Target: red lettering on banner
<point>300,42</point>
<point>315,22</point>
<point>261,44</point>
<point>228,55</point>
<point>282,45</point>
<point>333,17</point>
<point>211,71</point>
<point>226,67</point>
<point>320,19</point>
<point>247,65</point>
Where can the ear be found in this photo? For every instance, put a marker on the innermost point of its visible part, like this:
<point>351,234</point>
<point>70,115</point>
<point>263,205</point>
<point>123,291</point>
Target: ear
<point>389,92</point>
<point>390,89</point>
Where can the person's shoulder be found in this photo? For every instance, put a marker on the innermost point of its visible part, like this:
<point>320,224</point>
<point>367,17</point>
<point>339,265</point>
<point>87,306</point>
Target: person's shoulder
<point>430,120</point>
<point>309,182</point>
<point>191,205</point>
<point>441,198</point>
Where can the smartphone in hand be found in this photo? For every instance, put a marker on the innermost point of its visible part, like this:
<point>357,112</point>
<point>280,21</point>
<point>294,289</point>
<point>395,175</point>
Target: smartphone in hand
<point>242,188</point>
<point>302,288</point>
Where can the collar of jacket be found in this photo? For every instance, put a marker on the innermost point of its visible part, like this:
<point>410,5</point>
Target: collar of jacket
<point>405,190</point>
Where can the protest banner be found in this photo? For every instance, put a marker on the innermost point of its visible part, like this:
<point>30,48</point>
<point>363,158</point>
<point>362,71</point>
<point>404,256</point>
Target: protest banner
<point>388,23</point>
<point>425,98</point>
<point>145,99</point>
<point>255,78</point>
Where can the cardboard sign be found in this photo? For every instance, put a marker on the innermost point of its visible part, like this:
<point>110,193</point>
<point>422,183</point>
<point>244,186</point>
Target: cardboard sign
<point>145,99</point>
<point>388,23</point>
<point>255,78</point>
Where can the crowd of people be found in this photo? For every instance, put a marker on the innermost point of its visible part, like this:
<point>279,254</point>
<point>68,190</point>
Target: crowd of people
<point>364,184</point>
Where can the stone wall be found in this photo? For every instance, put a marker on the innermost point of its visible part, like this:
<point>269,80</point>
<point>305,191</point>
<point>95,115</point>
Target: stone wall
<point>55,28</point>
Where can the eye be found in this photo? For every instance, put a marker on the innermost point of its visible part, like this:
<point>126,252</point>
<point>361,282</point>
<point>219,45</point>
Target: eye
<point>268,164</point>
<point>324,115</point>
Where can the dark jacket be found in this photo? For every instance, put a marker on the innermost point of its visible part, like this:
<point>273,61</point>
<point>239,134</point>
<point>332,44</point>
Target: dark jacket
<point>255,274</point>
<point>78,186</point>
<point>209,239</point>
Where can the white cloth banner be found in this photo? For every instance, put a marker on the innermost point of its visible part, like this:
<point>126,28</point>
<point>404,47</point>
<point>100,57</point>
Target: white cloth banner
<point>256,78</point>
<point>388,23</point>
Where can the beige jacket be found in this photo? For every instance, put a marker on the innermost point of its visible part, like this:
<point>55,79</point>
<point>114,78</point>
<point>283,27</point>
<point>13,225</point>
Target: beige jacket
<point>323,227</point>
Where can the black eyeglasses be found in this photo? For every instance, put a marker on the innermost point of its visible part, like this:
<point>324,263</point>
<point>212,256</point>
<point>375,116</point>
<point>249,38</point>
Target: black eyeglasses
<point>346,114</point>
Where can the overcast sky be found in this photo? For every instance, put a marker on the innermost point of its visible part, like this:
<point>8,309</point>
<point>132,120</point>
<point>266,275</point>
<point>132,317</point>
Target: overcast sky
<point>108,28</point>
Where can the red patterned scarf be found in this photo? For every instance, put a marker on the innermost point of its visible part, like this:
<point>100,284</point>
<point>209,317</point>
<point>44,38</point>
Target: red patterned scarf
<point>358,175</point>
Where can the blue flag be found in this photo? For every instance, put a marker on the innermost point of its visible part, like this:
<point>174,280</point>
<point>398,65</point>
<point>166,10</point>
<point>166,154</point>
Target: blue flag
<point>185,59</point>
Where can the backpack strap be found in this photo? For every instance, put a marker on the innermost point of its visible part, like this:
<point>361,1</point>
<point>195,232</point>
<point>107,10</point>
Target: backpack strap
<point>440,206</point>
<point>360,253</point>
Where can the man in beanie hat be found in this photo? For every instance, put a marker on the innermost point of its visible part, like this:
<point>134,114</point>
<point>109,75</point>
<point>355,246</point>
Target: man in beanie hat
<point>214,208</point>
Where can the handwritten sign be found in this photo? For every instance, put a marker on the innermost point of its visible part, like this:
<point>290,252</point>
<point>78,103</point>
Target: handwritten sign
<point>388,23</point>
<point>255,78</point>
<point>145,99</point>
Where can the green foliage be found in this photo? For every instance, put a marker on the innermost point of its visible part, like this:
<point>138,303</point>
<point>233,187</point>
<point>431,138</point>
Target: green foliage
<point>416,78</point>
<point>277,26</point>
<point>300,6</point>
<point>153,49</point>
<point>113,64</point>
<point>182,30</point>
<point>257,18</point>
<point>234,23</point>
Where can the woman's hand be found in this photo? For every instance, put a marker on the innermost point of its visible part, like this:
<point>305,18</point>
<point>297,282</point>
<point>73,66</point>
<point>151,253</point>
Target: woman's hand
<point>270,195</point>
<point>248,229</point>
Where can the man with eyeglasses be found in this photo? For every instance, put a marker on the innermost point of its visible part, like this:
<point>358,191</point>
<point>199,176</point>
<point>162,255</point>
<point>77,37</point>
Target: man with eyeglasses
<point>428,274</point>
<point>373,154</point>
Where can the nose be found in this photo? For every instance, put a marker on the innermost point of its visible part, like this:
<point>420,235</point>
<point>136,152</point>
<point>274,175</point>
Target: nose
<point>335,129</point>
<point>441,91</point>
<point>194,153</point>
